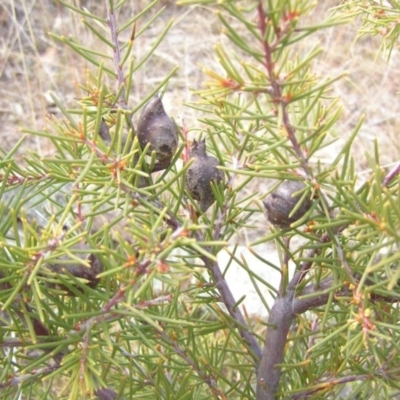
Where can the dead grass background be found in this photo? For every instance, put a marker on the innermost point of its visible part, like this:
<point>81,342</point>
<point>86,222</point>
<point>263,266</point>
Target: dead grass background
<point>32,63</point>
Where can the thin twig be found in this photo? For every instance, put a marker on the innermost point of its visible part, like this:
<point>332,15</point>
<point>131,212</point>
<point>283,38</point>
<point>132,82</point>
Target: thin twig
<point>316,296</point>
<point>284,269</point>
<point>277,92</point>
<point>208,379</point>
<point>229,301</point>
<point>342,258</point>
<point>112,23</point>
<point>170,218</point>
<point>395,171</point>
<point>116,55</point>
<point>16,381</point>
<point>301,273</point>
<point>281,315</point>
<point>329,384</point>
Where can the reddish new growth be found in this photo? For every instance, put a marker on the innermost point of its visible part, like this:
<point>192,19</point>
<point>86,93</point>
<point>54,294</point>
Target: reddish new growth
<point>94,96</point>
<point>81,133</point>
<point>163,267</point>
<point>379,13</point>
<point>291,16</point>
<point>12,179</point>
<point>363,316</point>
<point>130,262</point>
<point>230,84</point>
<point>309,228</point>
<point>287,98</point>
<point>36,257</point>
<point>118,166</point>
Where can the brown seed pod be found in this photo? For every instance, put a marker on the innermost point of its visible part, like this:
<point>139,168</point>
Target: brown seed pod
<point>200,175</point>
<point>158,129</point>
<point>89,273</point>
<point>104,132</point>
<point>280,203</point>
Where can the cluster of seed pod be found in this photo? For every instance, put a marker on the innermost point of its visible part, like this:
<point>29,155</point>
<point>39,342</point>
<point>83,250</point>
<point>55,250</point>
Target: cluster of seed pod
<point>156,129</point>
<point>159,132</point>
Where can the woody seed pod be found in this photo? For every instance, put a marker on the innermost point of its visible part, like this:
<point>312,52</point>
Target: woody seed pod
<point>104,132</point>
<point>200,175</point>
<point>158,129</point>
<point>281,202</point>
<point>89,273</point>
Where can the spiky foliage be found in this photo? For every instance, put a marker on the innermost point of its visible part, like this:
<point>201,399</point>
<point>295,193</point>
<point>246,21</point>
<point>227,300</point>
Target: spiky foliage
<point>157,318</point>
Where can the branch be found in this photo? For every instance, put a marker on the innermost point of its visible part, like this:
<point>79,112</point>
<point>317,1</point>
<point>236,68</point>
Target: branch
<point>276,90</point>
<point>116,54</point>
<point>230,303</point>
<point>328,384</point>
<point>301,273</point>
<point>322,293</point>
<point>16,381</point>
<point>208,379</point>
<point>112,23</point>
<point>279,321</point>
<point>395,171</point>
<point>170,218</point>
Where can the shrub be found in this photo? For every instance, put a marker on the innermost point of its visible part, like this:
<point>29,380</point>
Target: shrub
<point>112,278</point>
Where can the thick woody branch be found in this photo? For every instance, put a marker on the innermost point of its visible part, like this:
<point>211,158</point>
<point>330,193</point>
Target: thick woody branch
<point>279,322</point>
<point>282,314</point>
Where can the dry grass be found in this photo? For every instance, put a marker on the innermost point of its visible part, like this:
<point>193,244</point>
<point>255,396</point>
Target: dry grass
<point>31,64</point>
<point>368,89</point>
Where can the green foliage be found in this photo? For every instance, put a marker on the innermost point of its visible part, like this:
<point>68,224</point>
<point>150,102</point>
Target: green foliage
<point>379,18</point>
<point>157,318</point>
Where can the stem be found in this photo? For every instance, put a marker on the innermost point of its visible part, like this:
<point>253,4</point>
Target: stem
<point>116,54</point>
<point>279,322</point>
<point>277,92</point>
<point>170,218</point>
<point>301,273</point>
<point>208,379</point>
<point>230,302</point>
<point>112,23</point>
<point>281,316</point>
<point>280,319</point>
<point>329,383</point>
<point>40,373</point>
<point>395,171</point>
<point>300,305</point>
